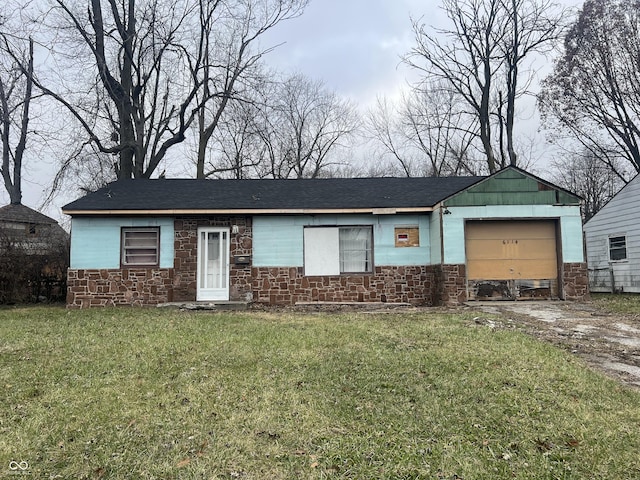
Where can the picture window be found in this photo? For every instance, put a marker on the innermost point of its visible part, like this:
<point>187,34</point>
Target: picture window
<point>338,250</point>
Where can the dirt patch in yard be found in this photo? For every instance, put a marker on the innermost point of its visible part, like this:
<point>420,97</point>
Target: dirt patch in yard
<point>608,342</point>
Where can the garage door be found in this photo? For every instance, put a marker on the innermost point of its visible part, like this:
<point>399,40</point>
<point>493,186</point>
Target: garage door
<point>511,259</point>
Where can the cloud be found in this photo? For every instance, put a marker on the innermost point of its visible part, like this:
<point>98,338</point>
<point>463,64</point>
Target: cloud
<point>352,46</point>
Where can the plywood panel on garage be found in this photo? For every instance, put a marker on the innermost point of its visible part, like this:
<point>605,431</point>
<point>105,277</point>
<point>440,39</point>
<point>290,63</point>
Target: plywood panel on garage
<point>511,250</point>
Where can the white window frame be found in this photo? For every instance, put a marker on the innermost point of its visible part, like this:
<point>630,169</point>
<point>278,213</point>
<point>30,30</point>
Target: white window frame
<point>324,252</point>
<point>152,249</point>
<point>620,245</point>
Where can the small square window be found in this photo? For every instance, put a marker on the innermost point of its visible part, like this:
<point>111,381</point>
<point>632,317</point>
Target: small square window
<point>408,236</point>
<point>618,248</point>
<point>140,246</point>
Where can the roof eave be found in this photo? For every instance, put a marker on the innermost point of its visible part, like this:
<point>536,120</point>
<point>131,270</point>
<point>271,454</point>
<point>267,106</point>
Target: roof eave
<point>252,211</point>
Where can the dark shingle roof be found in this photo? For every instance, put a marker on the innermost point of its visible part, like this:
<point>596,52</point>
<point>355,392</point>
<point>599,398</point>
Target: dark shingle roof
<point>268,194</point>
<point>22,214</point>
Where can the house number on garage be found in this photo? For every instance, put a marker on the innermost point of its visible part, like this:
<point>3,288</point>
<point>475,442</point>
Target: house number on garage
<point>507,242</point>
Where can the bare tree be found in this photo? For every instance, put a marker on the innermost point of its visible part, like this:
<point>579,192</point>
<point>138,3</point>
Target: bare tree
<point>479,59</point>
<point>535,28</point>
<point>469,62</point>
<point>231,66</point>
<point>425,134</point>
<point>302,127</point>
<point>588,177</point>
<point>383,126</point>
<point>593,94</point>
<point>16,92</point>
<point>138,73</point>
<point>236,149</point>
<point>435,126</point>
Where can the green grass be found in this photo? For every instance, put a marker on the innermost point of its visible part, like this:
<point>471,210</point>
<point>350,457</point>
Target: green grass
<point>626,303</point>
<point>144,393</point>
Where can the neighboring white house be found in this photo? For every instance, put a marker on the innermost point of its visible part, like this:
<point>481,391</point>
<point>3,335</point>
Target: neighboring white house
<point>612,238</point>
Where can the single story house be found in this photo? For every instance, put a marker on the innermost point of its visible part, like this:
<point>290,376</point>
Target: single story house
<point>424,241</point>
<point>612,240</point>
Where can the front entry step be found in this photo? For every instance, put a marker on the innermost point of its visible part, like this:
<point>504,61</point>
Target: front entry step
<point>221,305</point>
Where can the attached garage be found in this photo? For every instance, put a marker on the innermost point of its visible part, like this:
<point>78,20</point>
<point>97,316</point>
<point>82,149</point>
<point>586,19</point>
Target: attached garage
<point>512,236</point>
<point>510,259</point>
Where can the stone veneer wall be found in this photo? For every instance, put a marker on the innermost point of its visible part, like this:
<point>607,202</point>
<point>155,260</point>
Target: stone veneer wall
<point>451,288</point>
<point>107,288</point>
<point>286,286</point>
<point>575,281</point>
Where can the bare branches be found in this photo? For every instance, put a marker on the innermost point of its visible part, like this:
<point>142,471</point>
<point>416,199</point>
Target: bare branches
<point>145,70</point>
<point>478,59</point>
<point>288,129</point>
<point>585,174</point>
<point>427,134</point>
<point>593,95</point>
<point>16,92</point>
<point>231,59</point>
<point>308,122</point>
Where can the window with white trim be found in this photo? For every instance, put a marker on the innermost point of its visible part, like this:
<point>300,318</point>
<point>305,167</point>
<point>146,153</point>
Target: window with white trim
<point>140,246</point>
<point>338,250</point>
<point>618,248</point>
<point>355,249</point>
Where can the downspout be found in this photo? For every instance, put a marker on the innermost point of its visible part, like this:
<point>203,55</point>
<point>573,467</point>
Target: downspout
<point>440,207</point>
<point>439,283</point>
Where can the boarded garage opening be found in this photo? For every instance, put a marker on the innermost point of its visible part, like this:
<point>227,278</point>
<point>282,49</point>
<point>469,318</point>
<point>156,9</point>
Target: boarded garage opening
<point>511,259</point>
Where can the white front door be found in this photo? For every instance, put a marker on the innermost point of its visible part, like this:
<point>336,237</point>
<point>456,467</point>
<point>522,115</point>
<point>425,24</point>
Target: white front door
<point>213,263</point>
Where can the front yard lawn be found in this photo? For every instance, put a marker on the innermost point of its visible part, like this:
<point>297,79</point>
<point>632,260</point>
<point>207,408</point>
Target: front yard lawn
<point>147,393</point>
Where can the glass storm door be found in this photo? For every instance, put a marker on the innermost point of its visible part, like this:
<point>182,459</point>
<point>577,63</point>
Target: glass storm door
<point>213,264</point>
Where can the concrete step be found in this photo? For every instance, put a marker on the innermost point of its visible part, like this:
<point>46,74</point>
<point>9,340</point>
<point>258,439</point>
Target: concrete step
<point>213,305</point>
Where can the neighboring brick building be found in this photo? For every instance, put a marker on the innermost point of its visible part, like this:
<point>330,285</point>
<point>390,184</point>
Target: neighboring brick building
<point>423,241</point>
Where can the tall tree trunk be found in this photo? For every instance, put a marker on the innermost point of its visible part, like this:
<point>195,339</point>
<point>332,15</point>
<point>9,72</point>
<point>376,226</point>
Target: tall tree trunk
<point>14,185</point>
<point>512,82</point>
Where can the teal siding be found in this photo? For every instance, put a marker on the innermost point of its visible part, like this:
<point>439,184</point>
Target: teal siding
<point>572,245</point>
<point>278,240</point>
<point>570,227</point>
<point>385,251</point>
<point>95,242</point>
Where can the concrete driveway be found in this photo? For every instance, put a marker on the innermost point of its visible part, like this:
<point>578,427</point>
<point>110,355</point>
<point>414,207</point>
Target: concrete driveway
<point>608,342</point>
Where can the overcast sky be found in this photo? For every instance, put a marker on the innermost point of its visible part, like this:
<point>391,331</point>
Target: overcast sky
<point>353,46</point>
